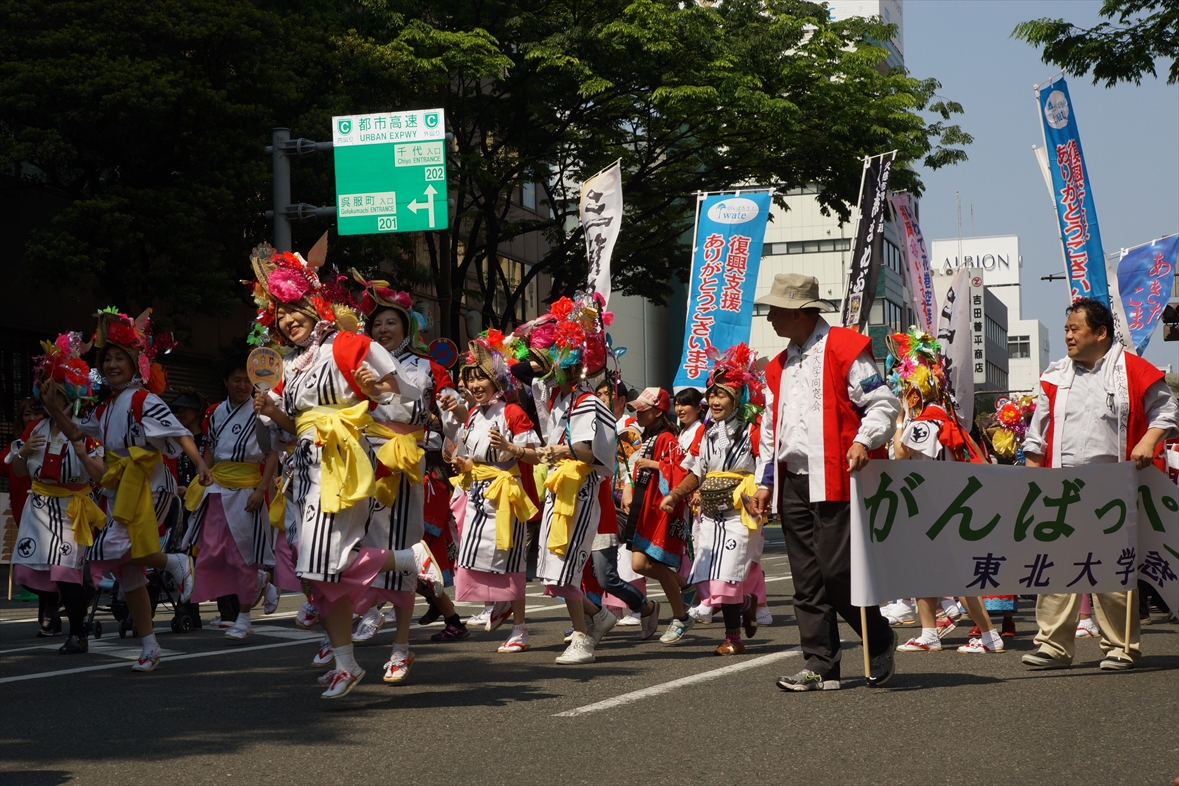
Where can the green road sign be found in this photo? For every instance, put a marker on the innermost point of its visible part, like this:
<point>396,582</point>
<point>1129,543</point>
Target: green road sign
<point>390,172</point>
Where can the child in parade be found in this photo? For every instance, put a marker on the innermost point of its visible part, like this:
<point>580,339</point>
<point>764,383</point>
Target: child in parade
<point>329,380</point>
<point>658,538</point>
<point>495,445</point>
<point>929,431</point>
<point>58,522</point>
<point>137,432</point>
<point>230,525</point>
<point>723,464</point>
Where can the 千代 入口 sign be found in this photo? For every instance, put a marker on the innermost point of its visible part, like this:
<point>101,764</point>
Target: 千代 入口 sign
<point>390,172</point>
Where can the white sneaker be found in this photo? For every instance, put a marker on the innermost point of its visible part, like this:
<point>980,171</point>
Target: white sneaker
<point>898,617</point>
<point>263,581</point>
<point>1088,629</point>
<point>147,661</point>
<point>217,622</point>
<point>340,683</point>
<point>480,619</point>
<point>370,623</point>
<point>631,619</point>
<point>499,614</point>
<point>650,622</point>
<point>764,617</point>
<point>397,667</point>
<point>180,566</point>
<point>580,650</point>
<point>391,616</point>
<point>600,624</point>
<point>325,655</point>
<point>240,632</point>
<point>517,642</point>
<point>270,599</point>
<point>307,617</point>
<point>701,613</point>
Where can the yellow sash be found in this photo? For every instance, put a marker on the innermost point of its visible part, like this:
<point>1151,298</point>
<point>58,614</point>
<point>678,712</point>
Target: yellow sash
<point>508,496</point>
<point>346,476</point>
<point>747,487</point>
<point>564,480</point>
<point>278,504</point>
<point>130,478</point>
<point>401,455</point>
<point>228,474</point>
<point>82,510</point>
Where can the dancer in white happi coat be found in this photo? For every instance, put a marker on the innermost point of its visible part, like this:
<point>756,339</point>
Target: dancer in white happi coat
<point>59,516</point>
<point>230,526</point>
<point>398,438</point>
<point>724,463</point>
<point>137,431</point>
<point>580,448</point>
<point>495,446</point>
<point>328,383</point>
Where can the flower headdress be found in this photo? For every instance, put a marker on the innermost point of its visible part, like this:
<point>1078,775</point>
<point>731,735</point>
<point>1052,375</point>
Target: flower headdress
<point>134,336</point>
<point>735,371</point>
<point>294,281</point>
<point>1007,426</point>
<point>62,363</point>
<point>574,337</point>
<point>915,361</point>
<point>493,353</point>
<point>378,294</point>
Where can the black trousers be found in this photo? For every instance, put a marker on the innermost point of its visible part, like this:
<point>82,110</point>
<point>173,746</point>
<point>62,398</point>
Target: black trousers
<point>818,545</point>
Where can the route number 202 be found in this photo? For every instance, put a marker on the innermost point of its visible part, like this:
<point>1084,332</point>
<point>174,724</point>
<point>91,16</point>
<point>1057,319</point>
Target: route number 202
<point>435,173</point>
<point>386,223</point>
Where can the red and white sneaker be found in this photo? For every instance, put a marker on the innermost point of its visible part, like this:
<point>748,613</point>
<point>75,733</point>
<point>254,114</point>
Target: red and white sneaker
<point>147,661</point>
<point>325,655</point>
<point>517,642</point>
<point>307,617</point>
<point>976,646</point>
<point>397,667</point>
<point>339,683</point>
<point>499,614</point>
<point>920,645</point>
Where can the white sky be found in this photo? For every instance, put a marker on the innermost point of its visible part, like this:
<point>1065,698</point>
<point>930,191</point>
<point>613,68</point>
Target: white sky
<point>1130,137</point>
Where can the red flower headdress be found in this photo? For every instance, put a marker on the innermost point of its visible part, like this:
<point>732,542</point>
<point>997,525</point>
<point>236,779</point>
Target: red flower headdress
<point>378,294</point>
<point>134,336</point>
<point>573,336</point>
<point>736,371</point>
<point>62,363</point>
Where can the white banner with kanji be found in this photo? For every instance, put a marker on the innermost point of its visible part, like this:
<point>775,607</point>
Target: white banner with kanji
<point>601,218</point>
<point>928,529</point>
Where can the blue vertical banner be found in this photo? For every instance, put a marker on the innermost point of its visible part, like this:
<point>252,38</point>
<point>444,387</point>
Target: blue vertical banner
<point>1145,275</point>
<point>1072,193</point>
<point>726,255</point>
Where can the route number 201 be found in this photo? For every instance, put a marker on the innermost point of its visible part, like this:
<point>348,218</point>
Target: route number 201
<point>435,173</point>
<point>386,223</point>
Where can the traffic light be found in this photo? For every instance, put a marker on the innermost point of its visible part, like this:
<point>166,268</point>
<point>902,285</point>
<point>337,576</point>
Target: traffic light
<point>1171,321</point>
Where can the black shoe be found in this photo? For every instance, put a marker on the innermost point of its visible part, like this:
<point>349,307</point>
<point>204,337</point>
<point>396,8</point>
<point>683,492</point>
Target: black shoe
<point>74,646</point>
<point>49,631</point>
<point>432,614</point>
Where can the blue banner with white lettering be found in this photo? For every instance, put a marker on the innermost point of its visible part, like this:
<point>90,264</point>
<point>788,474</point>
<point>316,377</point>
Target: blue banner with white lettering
<point>725,259</point>
<point>1144,284</point>
<point>1084,260</point>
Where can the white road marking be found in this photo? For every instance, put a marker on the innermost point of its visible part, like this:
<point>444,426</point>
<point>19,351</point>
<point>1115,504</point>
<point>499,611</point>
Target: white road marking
<point>14,622</point>
<point>667,687</point>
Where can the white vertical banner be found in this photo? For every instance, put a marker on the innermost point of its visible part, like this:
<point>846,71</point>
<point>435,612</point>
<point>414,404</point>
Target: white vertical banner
<point>601,217</point>
<point>916,262</point>
<point>954,334</point>
<point>1116,306</point>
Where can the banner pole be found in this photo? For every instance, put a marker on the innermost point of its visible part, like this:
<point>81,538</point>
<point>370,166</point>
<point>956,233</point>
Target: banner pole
<point>864,638</point>
<point>1129,610</point>
<point>10,581</point>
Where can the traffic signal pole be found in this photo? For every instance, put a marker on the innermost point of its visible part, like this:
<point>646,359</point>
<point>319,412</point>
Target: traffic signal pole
<point>281,149</point>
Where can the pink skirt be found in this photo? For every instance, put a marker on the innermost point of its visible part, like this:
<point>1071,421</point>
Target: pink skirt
<point>478,585</point>
<point>354,582</point>
<point>564,591</point>
<point>130,577</point>
<point>717,593</point>
<point>285,559</point>
<point>402,599</point>
<point>220,569</point>
<point>44,580</point>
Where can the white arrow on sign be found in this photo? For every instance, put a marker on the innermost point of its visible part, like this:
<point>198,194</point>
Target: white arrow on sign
<point>415,205</point>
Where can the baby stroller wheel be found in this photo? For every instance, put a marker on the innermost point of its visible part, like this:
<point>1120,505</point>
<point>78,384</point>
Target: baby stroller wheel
<point>97,629</point>
<point>185,623</point>
<point>124,628</point>
<point>175,624</point>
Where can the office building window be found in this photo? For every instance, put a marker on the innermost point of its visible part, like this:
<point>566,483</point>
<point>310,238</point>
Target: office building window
<point>996,333</point>
<point>996,376</point>
<point>1019,347</point>
<point>809,246</point>
<point>529,196</point>
<point>892,257</point>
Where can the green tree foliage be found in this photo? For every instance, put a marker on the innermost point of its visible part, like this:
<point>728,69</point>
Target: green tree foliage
<point>1121,51</point>
<point>689,97</point>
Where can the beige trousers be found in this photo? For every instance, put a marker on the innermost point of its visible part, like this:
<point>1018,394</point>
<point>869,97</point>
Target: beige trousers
<point>1057,617</point>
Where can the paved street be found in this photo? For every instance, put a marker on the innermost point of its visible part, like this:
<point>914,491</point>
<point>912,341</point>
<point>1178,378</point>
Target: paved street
<point>644,713</point>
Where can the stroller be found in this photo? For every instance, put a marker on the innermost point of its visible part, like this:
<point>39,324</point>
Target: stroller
<point>161,588</point>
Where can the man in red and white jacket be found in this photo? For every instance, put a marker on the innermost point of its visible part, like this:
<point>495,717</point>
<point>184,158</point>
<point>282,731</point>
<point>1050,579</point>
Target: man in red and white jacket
<point>1099,405</point>
<point>829,408</point>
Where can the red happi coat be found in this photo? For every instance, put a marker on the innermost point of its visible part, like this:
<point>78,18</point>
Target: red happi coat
<point>660,535</point>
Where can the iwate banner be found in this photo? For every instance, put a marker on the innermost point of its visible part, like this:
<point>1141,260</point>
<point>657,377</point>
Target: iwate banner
<point>927,529</point>
<point>730,230</point>
<point>1072,193</point>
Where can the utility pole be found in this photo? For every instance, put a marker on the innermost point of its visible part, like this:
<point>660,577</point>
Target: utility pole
<point>281,149</point>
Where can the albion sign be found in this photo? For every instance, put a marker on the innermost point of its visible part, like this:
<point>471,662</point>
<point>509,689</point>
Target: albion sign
<point>998,256</point>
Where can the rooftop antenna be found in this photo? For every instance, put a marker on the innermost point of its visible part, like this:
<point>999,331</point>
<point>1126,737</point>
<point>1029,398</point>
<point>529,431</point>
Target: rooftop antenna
<point>958,200</point>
